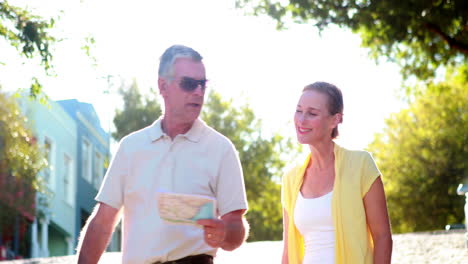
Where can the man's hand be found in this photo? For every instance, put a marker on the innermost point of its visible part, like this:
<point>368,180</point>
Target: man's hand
<point>228,233</point>
<point>215,231</point>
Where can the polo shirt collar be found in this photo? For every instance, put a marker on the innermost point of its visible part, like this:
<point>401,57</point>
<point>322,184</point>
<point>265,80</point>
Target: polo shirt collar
<point>196,131</point>
<point>155,131</point>
<point>194,134</point>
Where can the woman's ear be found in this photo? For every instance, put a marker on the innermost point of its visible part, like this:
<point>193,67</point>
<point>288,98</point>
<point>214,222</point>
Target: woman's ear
<point>338,119</point>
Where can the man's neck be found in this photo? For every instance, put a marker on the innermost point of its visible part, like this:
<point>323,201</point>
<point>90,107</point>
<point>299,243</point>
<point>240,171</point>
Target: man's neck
<point>172,128</point>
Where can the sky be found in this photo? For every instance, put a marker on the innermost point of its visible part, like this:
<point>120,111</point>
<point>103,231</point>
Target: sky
<point>246,59</point>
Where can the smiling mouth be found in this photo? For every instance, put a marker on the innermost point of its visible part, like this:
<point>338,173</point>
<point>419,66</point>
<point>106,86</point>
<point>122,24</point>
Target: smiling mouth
<point>302,130</point>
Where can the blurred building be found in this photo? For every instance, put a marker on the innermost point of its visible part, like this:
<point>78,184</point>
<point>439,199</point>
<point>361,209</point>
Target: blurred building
<point>93,159</point>
<point>77,150</point>
<point>53,229</point>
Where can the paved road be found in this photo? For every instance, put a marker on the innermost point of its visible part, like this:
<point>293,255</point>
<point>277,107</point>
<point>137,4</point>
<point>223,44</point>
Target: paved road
<point>255,252</point>
<point>412,248</point>
<point>268,252</point>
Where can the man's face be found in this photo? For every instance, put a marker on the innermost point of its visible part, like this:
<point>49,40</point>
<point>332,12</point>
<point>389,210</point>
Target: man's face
<point>184,104</point>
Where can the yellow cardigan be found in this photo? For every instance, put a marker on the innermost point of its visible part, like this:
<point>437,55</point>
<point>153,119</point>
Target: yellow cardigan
<point>355,171</point>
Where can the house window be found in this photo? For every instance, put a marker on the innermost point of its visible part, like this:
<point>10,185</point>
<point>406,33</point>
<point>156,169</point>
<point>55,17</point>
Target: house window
<point>49,155</point>
<point>68,178</point>
<point>86,160</point>
<point>98,169</point>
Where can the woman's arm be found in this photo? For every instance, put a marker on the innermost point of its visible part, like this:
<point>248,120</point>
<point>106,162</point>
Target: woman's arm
<point>285,237</point>
<point>378,221</point>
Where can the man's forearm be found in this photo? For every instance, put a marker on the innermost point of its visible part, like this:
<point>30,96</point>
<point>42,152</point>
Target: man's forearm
<point>93,242</point>
<point>237,232</point>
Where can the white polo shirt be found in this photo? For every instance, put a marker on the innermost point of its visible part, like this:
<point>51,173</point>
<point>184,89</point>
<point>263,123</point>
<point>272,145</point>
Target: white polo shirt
<point>202,162</point>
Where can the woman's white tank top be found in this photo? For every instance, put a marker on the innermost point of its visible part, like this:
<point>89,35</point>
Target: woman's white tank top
<point>313,219</point>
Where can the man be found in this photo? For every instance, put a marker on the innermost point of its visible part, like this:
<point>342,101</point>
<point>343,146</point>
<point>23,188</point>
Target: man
<point>178,153</point>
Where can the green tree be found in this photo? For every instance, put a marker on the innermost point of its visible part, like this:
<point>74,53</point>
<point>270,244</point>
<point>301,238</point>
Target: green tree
<point>20,162</point>
<point>20,157</point>
<point>26,32</point>
<point>260,156</point>
<point>420,35</point>
<point>261,160</point>
<point>423,153</point>
<point>29,34</point>
<point>136,113</point>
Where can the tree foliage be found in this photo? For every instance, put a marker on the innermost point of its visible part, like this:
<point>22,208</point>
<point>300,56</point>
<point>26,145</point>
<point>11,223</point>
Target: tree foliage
<point>20,157</point>
<point>260,156</point>
<point>420,35</point>
<point>423,155</point>
<point>29,34</point>
<point>137,112</point>
<point>20,162</point>
<point>261,161</point>
<point>26,32</point>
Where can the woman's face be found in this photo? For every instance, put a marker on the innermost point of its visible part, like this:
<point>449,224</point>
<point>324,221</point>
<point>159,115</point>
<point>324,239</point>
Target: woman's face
<point>312,119</point>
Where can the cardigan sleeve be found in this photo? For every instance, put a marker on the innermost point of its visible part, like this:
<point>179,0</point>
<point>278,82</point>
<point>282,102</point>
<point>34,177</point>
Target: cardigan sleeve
<point>369,173</point>
<point>286,188</point>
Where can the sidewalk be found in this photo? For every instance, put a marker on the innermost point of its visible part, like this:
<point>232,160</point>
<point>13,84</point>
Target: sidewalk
<point>413,248</point>
<point>255,252</point>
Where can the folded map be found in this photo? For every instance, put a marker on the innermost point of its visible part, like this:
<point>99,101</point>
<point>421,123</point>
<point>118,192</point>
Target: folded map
<point>177,208</point>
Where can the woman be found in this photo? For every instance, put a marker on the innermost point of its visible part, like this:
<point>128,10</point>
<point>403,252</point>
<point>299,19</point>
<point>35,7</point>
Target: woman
<point>334,207</point>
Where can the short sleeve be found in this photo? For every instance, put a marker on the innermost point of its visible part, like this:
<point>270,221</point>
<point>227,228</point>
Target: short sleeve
<point>369,173</point>
<point>230,189</point>
<point>112,188</point>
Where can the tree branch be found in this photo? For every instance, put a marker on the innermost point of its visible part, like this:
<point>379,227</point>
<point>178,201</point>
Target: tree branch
<point>453,43</point>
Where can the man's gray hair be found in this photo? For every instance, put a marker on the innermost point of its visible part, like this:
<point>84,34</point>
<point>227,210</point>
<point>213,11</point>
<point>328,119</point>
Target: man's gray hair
<point>171,54</point>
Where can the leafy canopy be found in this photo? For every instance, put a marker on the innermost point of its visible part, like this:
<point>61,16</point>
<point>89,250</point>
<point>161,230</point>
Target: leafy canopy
<point>26,32</point>
<point>29,34</point>
<point>420,35</point>
<point>422,154</point>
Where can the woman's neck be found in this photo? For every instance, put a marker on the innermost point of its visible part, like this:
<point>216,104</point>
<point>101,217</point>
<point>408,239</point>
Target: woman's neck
<point>322,155</point>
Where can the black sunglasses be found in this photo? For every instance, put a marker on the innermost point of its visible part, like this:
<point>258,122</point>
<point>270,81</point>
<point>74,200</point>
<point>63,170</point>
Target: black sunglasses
<point>189,84</point>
